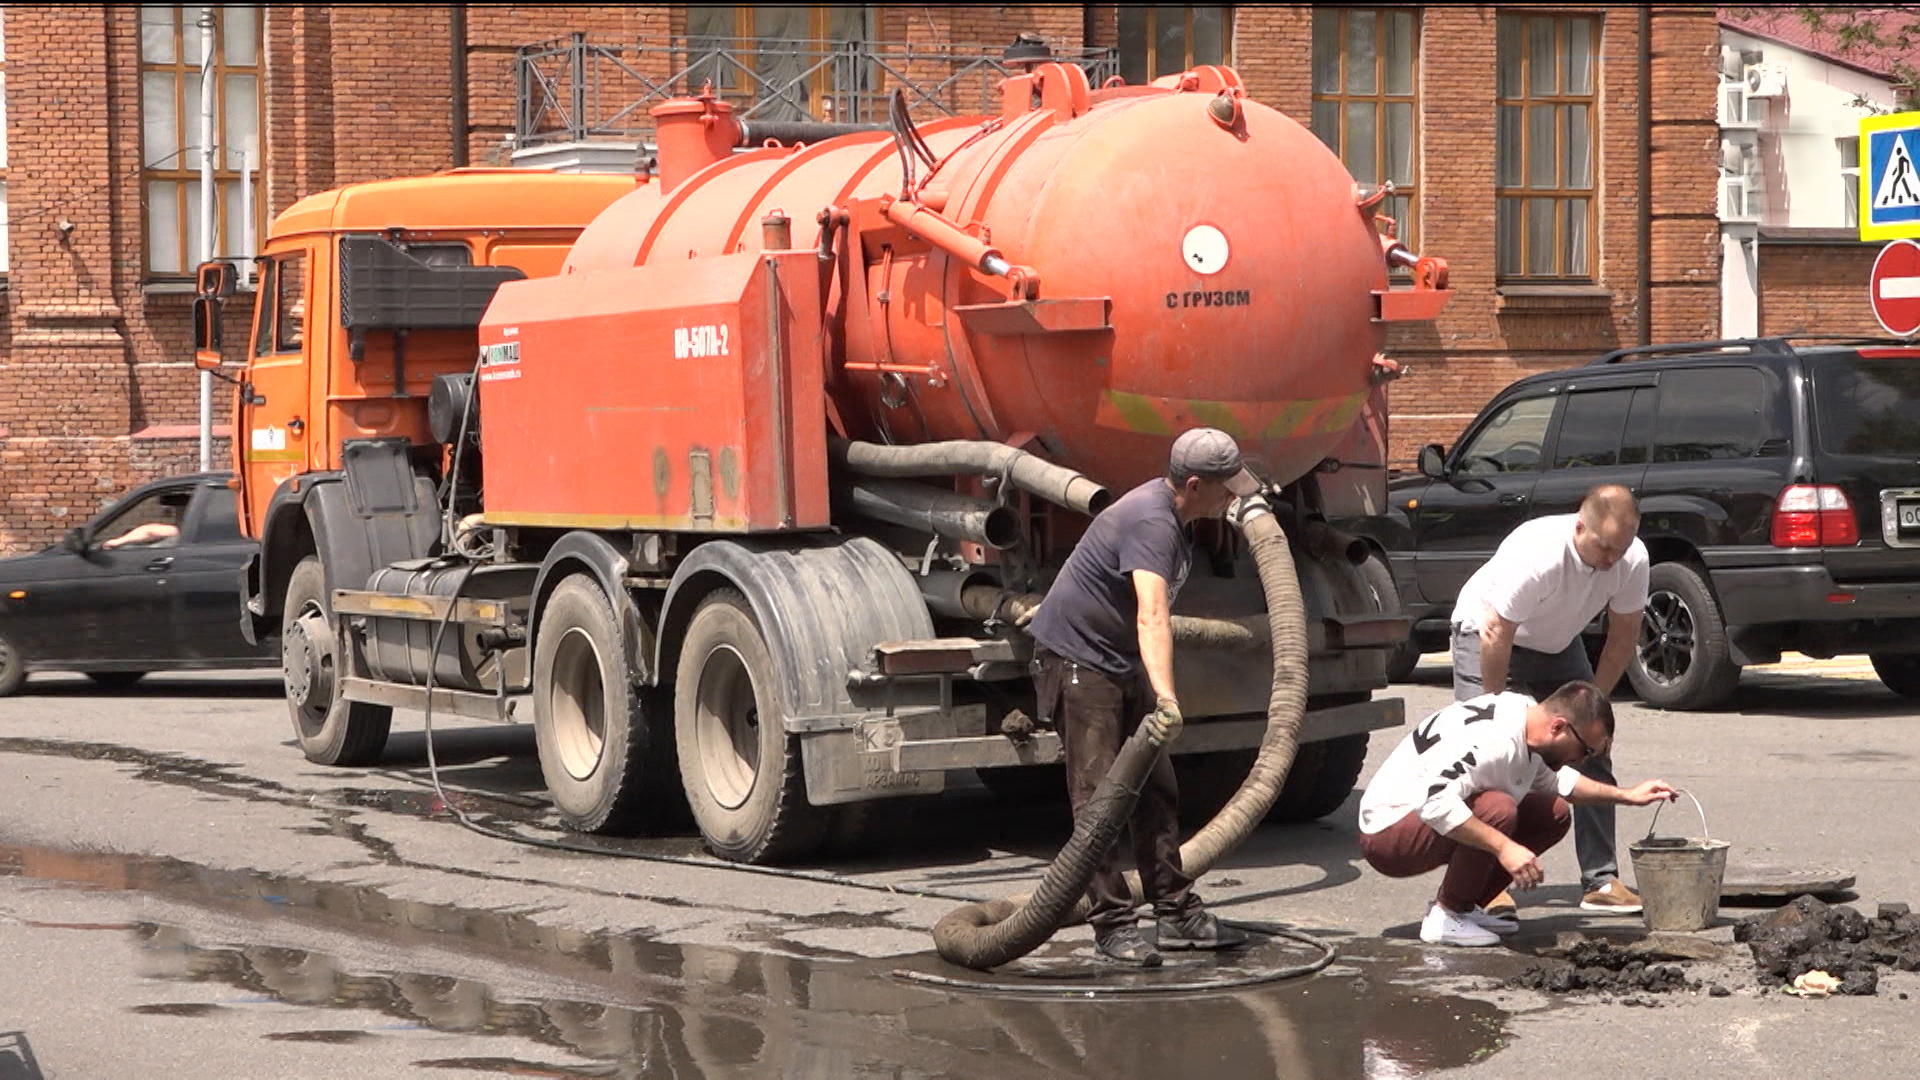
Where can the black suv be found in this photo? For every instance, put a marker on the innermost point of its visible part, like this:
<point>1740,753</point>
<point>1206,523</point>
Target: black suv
<point>1779,490</point>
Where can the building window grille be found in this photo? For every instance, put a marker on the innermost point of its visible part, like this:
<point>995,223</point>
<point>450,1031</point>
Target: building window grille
<point>173,54</point>
<point>1546,213</point>
<point>1366,67</point>
<point>1167,39</point>
<point>783,51</point>
<point>3,140</point>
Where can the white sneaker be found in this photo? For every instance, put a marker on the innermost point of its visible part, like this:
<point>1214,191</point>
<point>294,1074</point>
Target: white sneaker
<point>1443,927</point>
<point>1499,924</point>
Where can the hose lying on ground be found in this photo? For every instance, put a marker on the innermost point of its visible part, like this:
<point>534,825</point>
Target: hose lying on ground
<point>993,932</point>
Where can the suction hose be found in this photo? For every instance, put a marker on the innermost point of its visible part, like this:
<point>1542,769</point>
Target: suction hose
<point>993,932</point>
<point>1034,475</point>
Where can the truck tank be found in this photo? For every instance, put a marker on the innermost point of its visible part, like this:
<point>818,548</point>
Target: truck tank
<point>1187,256</point>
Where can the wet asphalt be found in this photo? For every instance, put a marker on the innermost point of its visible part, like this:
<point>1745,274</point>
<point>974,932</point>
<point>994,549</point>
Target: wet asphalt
<point>181,894</point>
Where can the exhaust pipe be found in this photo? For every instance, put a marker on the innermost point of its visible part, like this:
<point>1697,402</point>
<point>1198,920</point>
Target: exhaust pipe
<point>930,509</point>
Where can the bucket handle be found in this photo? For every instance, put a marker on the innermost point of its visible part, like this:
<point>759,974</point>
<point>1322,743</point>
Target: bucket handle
<point>1696,805</point>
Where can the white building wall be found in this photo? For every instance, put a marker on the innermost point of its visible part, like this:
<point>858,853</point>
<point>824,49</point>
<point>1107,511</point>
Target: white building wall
<point>1801,137</point>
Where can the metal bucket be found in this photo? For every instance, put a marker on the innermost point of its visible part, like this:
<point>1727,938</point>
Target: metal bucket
<point>1679,878</point>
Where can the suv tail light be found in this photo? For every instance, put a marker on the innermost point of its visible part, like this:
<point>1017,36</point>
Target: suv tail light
<point>1814,515</point>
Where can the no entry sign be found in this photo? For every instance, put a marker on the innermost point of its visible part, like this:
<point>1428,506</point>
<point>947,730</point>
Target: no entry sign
<point>1894,288</point>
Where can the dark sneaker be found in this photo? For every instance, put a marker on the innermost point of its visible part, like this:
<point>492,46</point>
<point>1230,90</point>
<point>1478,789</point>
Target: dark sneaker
<point>1200,930</point>
<point>1124,945</point>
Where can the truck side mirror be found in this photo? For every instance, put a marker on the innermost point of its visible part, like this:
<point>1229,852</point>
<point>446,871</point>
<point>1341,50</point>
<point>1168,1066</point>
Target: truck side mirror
<point>206,333</point>
<point>1433,461</point>
<point>214,281</point>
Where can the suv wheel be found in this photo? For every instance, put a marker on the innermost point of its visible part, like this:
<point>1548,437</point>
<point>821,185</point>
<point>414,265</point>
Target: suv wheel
<point>1899,671</point>
<point>1682,660</point>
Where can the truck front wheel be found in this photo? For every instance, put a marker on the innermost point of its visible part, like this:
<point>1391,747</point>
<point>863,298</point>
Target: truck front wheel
<point>741,770</point>
<point>602,739</point>
<point>331,730</point>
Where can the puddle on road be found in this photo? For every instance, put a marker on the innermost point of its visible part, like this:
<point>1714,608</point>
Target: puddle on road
<point>639,1008</point>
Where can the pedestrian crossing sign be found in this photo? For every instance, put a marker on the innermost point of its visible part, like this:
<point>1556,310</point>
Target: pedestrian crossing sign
<point>1890,176</point>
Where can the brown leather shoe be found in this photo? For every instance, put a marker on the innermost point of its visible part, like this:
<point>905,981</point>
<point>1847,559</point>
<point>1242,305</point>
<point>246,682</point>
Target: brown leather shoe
<point>1501,906</point>
<point>1613,897</point>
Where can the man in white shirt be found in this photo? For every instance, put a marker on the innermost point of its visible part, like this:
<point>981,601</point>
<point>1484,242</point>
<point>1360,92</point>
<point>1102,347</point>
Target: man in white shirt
<point>1481,787</point>
<point>1517,625</point>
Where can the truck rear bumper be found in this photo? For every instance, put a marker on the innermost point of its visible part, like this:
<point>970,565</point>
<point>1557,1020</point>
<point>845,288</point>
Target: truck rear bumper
<point>1199,737</point>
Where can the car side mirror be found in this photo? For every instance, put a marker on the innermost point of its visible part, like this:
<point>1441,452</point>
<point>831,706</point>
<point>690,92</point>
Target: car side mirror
<point>75,541</point>
<point>1433,461</point>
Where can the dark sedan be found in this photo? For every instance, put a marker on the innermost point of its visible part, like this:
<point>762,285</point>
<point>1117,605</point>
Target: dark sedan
<point>151,584</point>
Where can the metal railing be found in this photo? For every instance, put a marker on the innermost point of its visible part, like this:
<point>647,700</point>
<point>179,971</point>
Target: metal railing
<point>571,89</point>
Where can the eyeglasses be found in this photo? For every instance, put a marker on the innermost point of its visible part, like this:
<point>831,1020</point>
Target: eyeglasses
<point>1586,751</point>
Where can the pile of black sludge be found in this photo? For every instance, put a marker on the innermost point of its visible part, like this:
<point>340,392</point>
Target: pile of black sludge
<point>1808,935</point>
<point>1599,966</point>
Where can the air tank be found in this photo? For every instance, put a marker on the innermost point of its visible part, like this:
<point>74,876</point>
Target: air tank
<point>1219,245</point>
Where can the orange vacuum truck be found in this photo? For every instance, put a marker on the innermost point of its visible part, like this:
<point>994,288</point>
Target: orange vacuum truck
<point>738,471</point>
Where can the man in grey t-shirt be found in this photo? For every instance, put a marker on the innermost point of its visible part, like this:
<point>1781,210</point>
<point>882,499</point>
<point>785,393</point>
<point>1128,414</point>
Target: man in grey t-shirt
<point>1104,660</point>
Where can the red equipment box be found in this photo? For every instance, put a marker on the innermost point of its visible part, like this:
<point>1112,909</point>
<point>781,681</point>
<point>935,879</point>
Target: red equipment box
<point>678,395</point>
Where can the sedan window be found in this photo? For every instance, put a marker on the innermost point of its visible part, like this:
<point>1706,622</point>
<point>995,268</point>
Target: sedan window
<point>153,521</point>
<point>1511,440</point>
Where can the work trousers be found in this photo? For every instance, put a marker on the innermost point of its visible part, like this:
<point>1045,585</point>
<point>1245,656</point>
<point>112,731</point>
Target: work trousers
<point>1095,713</point>
<point>1410,847</point>
<point>1538,674</point>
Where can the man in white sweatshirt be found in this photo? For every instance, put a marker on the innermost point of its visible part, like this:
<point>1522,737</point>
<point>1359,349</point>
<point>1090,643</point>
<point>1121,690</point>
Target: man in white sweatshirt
<point>1481,787</point>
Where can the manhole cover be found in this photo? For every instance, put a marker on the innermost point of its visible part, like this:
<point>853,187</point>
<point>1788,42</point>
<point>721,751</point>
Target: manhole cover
<point>1762,879</point>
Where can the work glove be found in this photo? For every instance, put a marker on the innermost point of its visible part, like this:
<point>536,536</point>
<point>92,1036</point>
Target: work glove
<point>1021,620</point>
<point>1163,724</point>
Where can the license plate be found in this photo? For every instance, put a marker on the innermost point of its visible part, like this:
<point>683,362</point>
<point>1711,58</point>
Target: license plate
<point>1909,511</point>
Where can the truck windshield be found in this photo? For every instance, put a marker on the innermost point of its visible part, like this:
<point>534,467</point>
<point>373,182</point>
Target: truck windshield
<point>1868,406</point>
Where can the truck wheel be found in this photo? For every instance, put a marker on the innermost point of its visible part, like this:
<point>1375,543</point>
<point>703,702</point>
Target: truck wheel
<point>1379,581</point>
<point>1899,671</point>
<point>603,741</point>
<point>13,668</point>
<point>1034,785</point>
<point>331,730</point>
<point>1322,776</point>
<point>1682,660</point>
<point>115,680</point>
<point>1322,786</point>
<point>741,770</point>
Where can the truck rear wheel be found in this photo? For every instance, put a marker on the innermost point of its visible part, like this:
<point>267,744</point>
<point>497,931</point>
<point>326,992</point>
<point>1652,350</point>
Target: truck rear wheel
<point>1386,598</point>
<point>741,770</point>
<point>331,730</point>
<point>1318,783</point>
<point>600,736</point>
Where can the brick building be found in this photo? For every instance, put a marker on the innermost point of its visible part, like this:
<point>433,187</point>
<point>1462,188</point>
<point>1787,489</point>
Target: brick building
<point>1563,158</point>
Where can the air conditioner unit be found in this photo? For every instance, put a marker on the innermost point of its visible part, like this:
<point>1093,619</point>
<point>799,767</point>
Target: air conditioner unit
<point>1765,80</point>
<point>1732,62</point>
